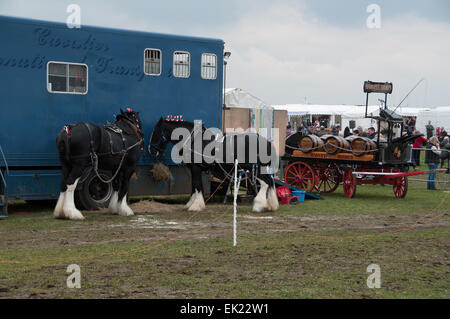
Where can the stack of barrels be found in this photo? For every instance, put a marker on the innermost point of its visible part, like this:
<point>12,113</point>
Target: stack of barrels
<point>361,145</point>
<point>357,145</point>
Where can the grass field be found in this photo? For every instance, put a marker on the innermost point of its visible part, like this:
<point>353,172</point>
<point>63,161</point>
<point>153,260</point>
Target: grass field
<point>316,249</point>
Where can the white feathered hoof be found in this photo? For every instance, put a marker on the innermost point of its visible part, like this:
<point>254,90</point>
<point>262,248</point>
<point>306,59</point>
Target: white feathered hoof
<point>58,212</point>
<point>69,209</point>
<point>198,204</point>
<point>74,214</point>
<point>191,200</point>
<point>71,212</point>
<point>113,206</point>
<point>272,199</point>
<point>124,209</point>
<point>260,202</point>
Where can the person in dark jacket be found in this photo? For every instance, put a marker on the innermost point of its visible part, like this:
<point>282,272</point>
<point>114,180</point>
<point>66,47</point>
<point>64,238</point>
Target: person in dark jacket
<point>442,134</point>
<point>430,130</point>
<point>445,150</point>
<point>432,158</point>
<point>372,133</point>
<point>347,132</point>
<point>301,130</point>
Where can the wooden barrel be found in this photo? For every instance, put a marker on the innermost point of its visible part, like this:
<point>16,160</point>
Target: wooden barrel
<point>308,143</point>
<point>336,144</point>
<point>324,137</point>
<point>361,145</point>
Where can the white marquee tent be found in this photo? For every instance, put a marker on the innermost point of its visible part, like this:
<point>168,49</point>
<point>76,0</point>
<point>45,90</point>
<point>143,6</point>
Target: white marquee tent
<point>334,112</point>
<point>439,116</point>
<point>261,114</point>
<point>235,97</point>
<point>343,114</point>
<point>312,109</point>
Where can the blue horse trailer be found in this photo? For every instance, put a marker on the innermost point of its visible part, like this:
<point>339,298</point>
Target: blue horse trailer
<point>52,75</point>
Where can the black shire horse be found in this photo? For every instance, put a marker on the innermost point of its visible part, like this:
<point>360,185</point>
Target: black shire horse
<point>85,146</point>
<point>246,147</point>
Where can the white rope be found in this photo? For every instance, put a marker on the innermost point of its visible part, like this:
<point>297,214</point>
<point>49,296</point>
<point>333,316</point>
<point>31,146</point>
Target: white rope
<point>235,203</point>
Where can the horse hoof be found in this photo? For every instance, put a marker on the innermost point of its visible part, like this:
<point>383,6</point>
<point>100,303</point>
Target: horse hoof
<point>258,209</point>
<point>126,212</point>
<point>80,217</point>
<point>73,214</point>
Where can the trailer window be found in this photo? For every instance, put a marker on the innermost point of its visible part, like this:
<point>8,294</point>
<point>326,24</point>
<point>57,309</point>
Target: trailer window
<point>66,78</point>
<point>152,62</point>
<point>209,66</point>
<point>181,64</point>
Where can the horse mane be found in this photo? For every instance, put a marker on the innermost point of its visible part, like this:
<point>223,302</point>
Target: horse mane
<point>186,124</point>
<point>121,117</point>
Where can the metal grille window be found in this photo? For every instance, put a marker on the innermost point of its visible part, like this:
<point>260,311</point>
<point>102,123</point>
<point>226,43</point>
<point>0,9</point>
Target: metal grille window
<point>181,64</point>
<point>209,66</point>
<point>152,62</point>
<point>67,78</point>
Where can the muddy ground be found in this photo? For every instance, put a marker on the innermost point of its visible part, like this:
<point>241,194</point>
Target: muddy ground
<point>171,220</point>
<point>157,242</point>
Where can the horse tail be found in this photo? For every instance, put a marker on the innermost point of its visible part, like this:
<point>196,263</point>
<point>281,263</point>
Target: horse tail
<point>62,143</point>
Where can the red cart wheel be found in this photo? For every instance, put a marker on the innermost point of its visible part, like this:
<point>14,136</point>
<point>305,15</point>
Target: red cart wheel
<point>327,178</point>
<point>400,187</point>
<point>300,175</point>
<point>349,183</point>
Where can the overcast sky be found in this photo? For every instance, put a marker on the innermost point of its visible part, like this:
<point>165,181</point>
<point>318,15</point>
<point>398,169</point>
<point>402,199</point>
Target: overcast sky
<point>292,51</point>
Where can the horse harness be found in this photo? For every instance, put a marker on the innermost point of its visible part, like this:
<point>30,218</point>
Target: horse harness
<point>124,151</point>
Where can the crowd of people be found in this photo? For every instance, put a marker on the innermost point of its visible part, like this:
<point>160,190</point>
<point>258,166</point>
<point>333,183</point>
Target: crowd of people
<point>437,146</point>
<point>318,127</point>
<point>440,137</point>
<point>335,130</point>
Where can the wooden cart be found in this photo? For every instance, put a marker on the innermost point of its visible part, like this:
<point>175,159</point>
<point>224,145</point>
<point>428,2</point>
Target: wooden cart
<point>318,168</point>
